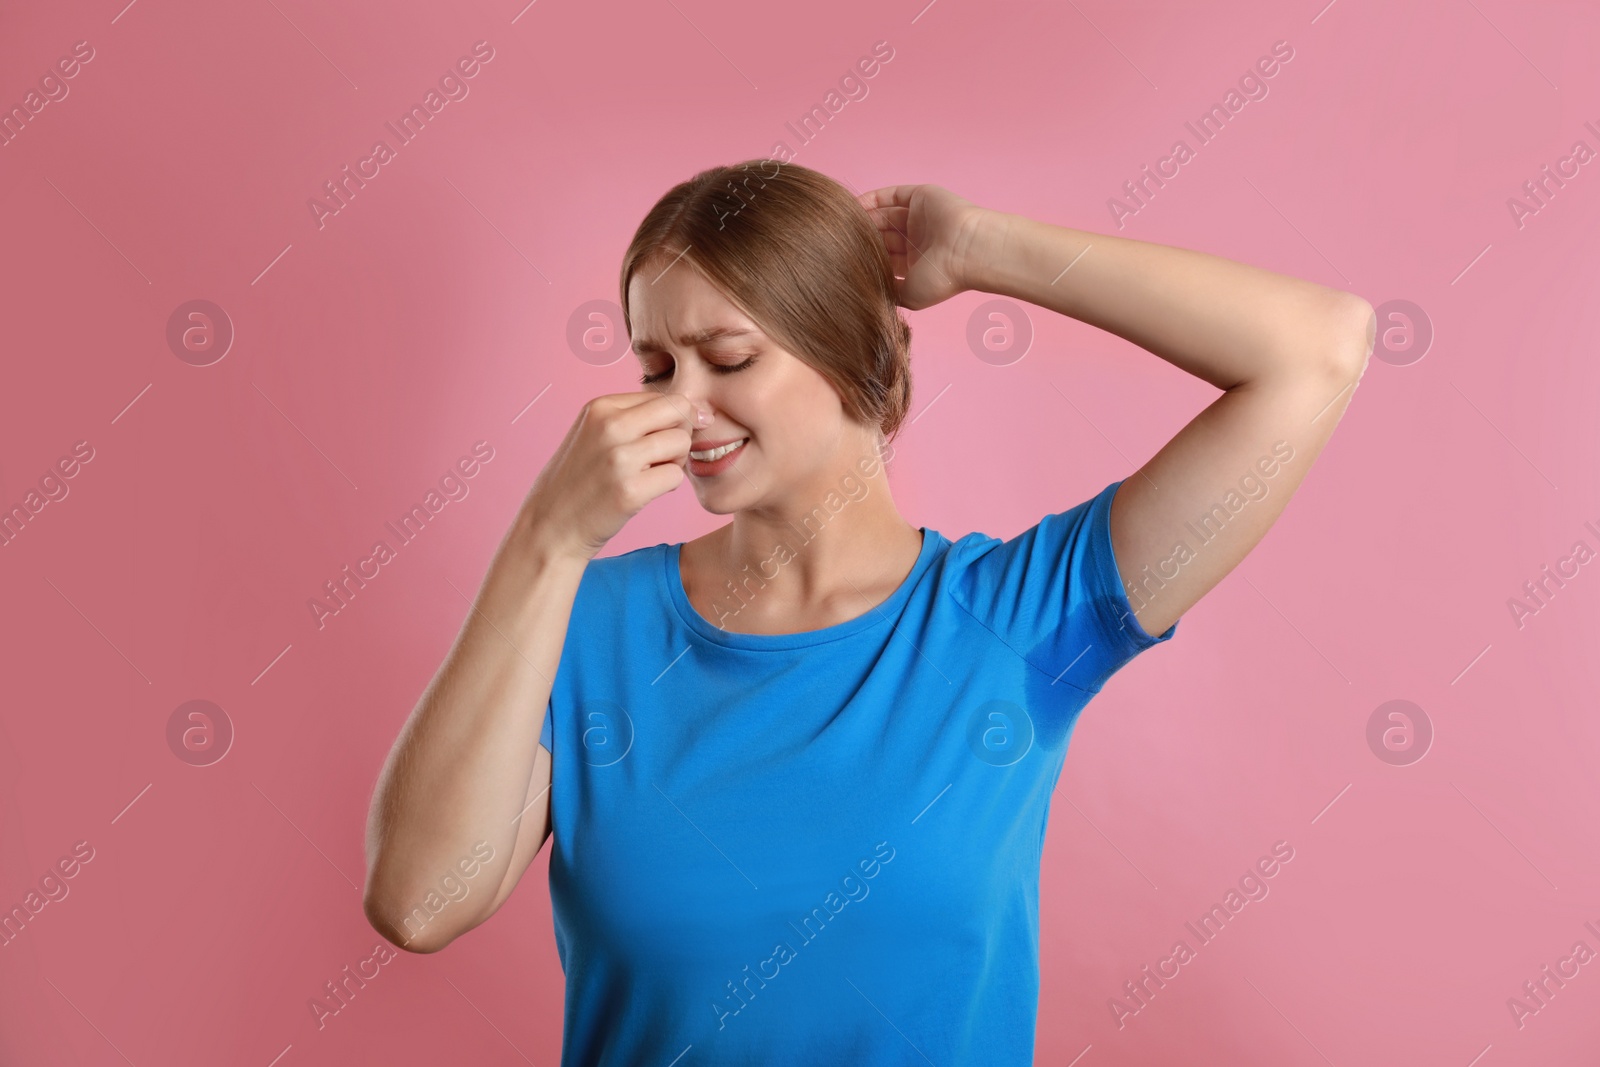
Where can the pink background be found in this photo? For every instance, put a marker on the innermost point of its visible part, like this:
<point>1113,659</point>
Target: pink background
<point>432,310</point>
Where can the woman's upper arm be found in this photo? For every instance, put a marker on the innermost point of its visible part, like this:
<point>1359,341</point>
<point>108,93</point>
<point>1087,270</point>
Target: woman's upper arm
<point>1196,509</point>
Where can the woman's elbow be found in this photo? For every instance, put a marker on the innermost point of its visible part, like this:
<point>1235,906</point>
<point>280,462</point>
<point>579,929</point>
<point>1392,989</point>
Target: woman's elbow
<point>414,931</point>
<point>1355,332</point>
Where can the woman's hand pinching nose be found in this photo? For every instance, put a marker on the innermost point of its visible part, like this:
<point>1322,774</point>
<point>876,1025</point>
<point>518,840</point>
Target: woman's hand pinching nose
<point>698,417</point>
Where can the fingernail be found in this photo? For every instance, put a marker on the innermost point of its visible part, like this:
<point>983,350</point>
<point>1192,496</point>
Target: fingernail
<point>702,417</point>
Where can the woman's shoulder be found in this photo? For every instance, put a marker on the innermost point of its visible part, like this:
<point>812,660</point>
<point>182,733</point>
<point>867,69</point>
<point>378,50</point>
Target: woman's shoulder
<point>626,566</point>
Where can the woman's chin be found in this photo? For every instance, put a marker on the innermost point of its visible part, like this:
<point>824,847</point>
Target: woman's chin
<point>714,506</point>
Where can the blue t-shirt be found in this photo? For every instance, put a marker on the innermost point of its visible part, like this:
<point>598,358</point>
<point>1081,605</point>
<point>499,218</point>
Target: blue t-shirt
<point>821,847</point>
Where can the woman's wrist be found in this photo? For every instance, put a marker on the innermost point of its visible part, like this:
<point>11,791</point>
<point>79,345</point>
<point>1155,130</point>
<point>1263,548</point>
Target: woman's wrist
<point>529,569</point>
<point>536,538</point>
<point>981,250</point>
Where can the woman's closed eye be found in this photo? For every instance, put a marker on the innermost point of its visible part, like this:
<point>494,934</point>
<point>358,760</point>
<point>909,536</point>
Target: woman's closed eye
<point>720,368</point>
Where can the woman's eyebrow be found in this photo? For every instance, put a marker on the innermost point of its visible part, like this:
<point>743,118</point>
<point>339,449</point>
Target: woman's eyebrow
<point>694,340</point>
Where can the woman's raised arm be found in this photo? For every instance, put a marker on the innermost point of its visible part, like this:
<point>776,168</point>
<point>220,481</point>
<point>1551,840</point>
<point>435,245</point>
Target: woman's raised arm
<point>1287,354</point>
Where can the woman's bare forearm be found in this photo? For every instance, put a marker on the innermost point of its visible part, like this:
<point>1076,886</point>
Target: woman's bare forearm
<point>1226,322</point>
<point>460,771</point>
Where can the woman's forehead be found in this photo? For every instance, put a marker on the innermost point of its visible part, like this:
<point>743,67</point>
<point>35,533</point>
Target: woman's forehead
<point>687,316</point>
<point>694,338</point>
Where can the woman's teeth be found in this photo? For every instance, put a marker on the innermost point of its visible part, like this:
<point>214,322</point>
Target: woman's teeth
<point>717,453</point>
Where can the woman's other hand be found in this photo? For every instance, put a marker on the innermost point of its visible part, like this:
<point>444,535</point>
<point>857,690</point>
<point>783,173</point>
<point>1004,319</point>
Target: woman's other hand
<point>929,233</point>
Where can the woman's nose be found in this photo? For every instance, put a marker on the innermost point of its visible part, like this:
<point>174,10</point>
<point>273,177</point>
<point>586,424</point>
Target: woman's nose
<point>688,387</point>
<point>694,408</point>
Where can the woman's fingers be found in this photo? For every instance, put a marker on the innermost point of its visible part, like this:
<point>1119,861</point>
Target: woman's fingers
<point>892,215</point>
<point>891,219</point>
<point>658,410</point>
<point>887,196</point>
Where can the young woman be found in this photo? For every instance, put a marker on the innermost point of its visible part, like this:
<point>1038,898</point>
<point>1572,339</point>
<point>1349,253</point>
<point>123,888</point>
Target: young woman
<point>797,771</point>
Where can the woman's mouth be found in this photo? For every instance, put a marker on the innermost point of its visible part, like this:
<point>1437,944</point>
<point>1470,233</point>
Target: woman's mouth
<point>705,463</point>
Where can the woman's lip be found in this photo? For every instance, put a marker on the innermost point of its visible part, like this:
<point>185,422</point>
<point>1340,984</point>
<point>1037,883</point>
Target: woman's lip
<point>709,468</point>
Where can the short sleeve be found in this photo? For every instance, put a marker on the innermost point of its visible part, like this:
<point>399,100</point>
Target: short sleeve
<point>545,730</point>
<point>1054,596</point>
